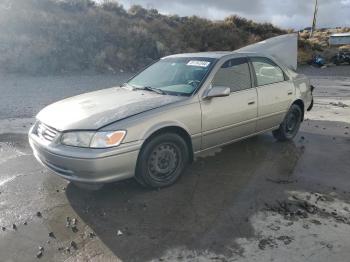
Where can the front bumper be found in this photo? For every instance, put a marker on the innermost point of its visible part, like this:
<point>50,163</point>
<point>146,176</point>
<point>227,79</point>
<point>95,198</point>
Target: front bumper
<point>87,165</point>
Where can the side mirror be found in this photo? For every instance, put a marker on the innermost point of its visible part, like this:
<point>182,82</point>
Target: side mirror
<point>217,91</point>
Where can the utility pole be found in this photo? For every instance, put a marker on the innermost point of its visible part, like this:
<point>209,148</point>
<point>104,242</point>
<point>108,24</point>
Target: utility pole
<point>315,19</point>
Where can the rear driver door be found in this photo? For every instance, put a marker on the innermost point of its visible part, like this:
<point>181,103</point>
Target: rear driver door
<point>275,93</point>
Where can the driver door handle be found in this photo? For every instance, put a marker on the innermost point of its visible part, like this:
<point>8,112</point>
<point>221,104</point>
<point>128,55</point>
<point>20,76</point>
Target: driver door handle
<point>251,103</point>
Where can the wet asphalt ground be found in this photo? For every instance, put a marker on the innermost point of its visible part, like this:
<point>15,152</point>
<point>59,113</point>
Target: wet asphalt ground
<point>255,200</point>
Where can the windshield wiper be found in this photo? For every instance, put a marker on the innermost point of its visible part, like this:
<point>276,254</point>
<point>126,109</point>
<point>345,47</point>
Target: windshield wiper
<point>152,89</point>
<point>127,85</point>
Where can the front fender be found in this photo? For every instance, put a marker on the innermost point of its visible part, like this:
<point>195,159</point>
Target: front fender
<point>161,125</point>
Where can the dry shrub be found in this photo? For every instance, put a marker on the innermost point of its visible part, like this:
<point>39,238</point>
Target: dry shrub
<point>56,36</point>
<point>304,56</point>
<point>344,48</point>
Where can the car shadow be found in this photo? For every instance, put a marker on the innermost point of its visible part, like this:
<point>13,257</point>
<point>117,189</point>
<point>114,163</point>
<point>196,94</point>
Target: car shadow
<point>207,208</point>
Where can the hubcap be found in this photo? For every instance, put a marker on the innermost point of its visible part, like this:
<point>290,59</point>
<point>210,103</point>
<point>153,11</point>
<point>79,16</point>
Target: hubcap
<point>163,161</point>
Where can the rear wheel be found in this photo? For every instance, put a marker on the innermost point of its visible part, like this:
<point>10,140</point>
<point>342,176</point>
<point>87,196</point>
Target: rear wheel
<point>290,125</point>
<point>162,160</point>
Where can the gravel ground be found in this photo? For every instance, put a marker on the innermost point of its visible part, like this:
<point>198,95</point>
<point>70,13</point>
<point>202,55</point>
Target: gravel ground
<point>256,200</point>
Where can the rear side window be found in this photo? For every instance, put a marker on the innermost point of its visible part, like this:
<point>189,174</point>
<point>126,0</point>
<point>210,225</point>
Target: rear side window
<point>267,72</point>
<point>234,74</point>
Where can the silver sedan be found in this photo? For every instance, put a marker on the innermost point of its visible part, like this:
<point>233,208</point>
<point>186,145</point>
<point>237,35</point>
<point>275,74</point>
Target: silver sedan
<point>154,125</point>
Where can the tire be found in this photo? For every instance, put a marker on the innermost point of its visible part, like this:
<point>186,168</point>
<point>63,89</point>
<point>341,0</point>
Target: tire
<point>290,125</point>
<point>162,160</point>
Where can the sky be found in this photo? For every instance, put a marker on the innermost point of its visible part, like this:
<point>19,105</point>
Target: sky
<point>288,14</point>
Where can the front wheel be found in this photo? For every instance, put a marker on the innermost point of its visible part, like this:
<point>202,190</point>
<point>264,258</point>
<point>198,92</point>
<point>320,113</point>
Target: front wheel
<point>162,160</point>
<point>290,125</point>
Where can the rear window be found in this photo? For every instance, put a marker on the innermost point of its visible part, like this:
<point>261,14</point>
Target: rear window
<point>234,74</point>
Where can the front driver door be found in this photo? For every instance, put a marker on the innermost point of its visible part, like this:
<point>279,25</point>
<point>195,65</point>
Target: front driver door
<point>225,119</point>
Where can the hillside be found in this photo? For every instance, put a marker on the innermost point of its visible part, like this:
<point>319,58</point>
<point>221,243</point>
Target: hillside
<point>53,37</point>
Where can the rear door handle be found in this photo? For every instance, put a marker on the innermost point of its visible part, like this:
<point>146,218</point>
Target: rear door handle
<point>251,103</point>
<point>290,93</point>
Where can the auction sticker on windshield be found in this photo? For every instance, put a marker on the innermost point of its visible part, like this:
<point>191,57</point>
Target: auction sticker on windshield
<point>198,63</point>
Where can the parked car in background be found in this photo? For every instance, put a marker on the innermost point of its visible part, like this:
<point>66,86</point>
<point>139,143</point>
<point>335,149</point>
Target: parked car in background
<point>154,125</point>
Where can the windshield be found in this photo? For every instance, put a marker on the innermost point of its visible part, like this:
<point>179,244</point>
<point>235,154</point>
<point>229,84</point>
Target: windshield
<point>178,76</point>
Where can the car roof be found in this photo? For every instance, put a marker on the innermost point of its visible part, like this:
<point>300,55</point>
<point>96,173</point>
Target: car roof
<point>217,54</point>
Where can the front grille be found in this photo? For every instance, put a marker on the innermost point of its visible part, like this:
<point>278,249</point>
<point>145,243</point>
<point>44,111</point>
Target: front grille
<point>46,133</point>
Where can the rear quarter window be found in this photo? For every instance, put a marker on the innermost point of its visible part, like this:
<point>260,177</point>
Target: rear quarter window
<point>266,71</point>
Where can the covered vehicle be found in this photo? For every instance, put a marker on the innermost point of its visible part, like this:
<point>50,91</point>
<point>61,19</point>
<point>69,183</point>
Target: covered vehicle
<point>342,57</point>
<point>152,127</point>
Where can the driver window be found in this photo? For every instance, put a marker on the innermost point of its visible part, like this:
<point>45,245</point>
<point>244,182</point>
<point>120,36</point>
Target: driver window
<point>234,74</point>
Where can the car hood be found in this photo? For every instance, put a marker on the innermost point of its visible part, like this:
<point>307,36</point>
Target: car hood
<point>94,110</point>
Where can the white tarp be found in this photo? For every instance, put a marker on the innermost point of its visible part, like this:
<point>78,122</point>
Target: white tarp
<point>284,48</point>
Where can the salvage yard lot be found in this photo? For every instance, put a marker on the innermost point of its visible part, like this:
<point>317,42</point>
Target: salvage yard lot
<point>256,200</point>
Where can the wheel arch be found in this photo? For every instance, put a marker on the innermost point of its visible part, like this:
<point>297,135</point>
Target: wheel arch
<point>175,129</point>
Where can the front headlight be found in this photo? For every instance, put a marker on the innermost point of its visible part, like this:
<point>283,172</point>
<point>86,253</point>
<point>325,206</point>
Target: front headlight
<point>78,139</point>
<point>107,139</point>
<point>93,139</point>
